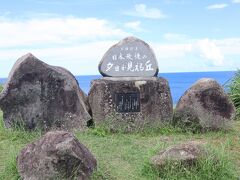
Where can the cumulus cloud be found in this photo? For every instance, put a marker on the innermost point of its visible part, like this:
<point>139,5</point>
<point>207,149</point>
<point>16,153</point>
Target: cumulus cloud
<point>229,46</point>
<point>216,6</point>
<point>75,43</point>
<point>141,10</point>
<point>55,31</point>
<point>134,25</point>
<point>209,51</point>
<point>172,50</point>
<point>81,59</point>
<point>78,44</point>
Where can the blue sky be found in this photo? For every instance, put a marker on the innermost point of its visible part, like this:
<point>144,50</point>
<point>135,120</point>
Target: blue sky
<point>186,35</point>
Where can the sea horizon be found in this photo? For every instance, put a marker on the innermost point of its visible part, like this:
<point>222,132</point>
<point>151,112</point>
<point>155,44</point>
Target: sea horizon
<point>168,72</point>
<point>179,81</point>
<point>158,73</point>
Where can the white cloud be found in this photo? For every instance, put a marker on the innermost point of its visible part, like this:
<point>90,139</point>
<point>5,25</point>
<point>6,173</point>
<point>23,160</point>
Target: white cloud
<point>171,50</point>
<point>141,10</point>
<point>47,31</point>
<point>209,51</point>
<point>196,55</point>
<point>78,44</point>
<point>74,43</point>
<point>235,1</point>
<point>83,58</point>
<point>134,25</point>
<point>216,6</point>
<point>79,59</point>
<point>229,46</point>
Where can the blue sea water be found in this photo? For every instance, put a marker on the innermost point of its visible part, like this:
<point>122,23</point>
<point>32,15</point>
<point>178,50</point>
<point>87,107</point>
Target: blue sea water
<point>179,82</point>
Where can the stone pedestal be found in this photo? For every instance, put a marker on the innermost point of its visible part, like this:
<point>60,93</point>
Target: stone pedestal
<point>130,103</point>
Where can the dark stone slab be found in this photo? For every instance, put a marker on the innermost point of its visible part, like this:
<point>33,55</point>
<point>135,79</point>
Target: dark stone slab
<point>145,102</point>
<point>130,57</point>
<point>40,96</point>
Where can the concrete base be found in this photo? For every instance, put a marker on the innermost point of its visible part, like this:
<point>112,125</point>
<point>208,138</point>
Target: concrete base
<point>130,103</point>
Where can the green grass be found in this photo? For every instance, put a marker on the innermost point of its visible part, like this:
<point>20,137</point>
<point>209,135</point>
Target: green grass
<point>216,166</point>
<point>234,91</point>
<point>11,142</point>
<point>126,156</point>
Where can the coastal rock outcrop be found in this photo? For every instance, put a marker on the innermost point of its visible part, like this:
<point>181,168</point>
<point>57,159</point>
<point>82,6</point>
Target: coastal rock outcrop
<point>40,96</point>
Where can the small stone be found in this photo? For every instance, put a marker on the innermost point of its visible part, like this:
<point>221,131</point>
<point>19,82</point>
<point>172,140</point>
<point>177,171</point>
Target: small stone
<point>185,154</point>
<point>57,155</point>
<point>205,106</point>
<point>129,57</point>
<point>40,96</point>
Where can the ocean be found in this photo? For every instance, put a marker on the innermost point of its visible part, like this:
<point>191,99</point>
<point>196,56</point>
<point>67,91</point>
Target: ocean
<point>179,82</point>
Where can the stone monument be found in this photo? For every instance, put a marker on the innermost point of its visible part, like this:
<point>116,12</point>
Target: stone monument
<point>131,57</point>
<point>130,96</point>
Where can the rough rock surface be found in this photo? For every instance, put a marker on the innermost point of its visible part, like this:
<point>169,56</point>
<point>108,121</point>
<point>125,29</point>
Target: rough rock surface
<point>38,95</point>
<point>186,154</point>
<point>130,57</point>
<point>57,155</point>
<point>204,106</point>
<point>155,102</point>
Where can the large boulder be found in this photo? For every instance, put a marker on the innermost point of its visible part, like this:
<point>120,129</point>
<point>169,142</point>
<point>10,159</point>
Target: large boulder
<point>40,96</point>
<point>205,106</point>
<point>57,155</point>
<point>182,154</point>
<point>130,103</point>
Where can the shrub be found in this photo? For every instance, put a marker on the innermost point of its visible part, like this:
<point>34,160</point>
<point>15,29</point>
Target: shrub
<point>1,88</point>
<point>234,91</point>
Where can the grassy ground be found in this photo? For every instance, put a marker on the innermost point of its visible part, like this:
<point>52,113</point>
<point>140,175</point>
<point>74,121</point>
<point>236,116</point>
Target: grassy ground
<point>125,156</point>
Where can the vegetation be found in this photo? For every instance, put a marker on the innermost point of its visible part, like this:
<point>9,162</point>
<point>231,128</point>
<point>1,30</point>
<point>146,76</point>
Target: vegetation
<point>11,142</point>
<point>234,91</point>
<point>1,88</point>
<point>215,166</point>
<point>126,156</point>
